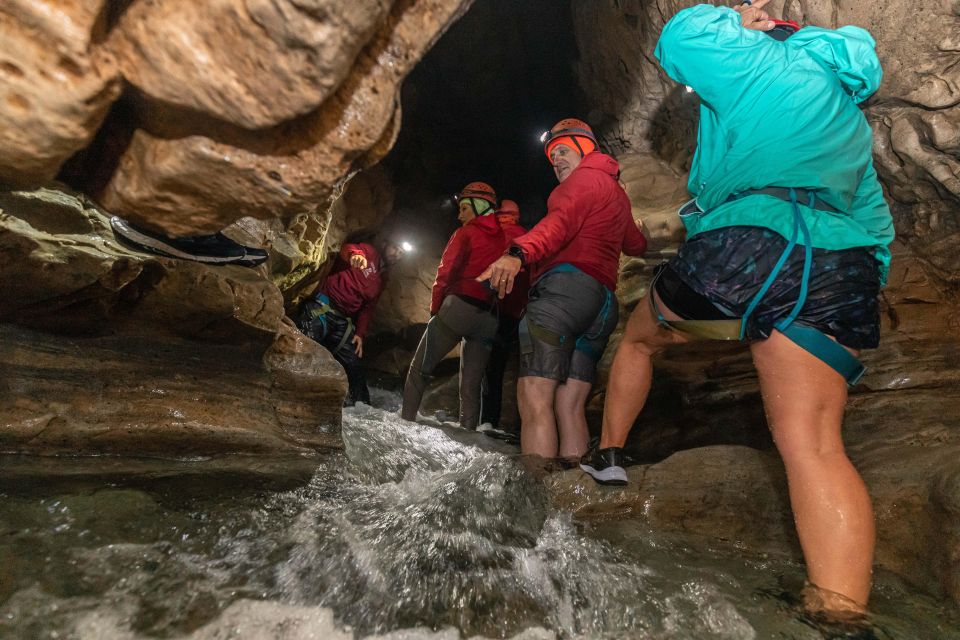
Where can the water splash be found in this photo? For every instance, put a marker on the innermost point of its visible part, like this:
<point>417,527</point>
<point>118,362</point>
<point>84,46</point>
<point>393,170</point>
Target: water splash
<point>409,529</point>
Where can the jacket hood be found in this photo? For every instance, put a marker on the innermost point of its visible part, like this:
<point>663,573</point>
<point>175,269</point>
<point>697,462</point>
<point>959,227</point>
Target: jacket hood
<point>848,52</point>
<point>487,224</point>
<point>600,162</point>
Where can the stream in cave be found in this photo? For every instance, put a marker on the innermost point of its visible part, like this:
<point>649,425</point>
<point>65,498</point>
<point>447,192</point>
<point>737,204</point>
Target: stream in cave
<point>407,528</point>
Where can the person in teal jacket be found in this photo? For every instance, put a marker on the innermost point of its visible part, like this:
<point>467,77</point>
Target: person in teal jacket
<point>787,247</point>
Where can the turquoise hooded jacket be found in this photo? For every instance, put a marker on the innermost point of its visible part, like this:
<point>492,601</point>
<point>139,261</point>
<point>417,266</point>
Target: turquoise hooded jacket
<point>780,114</point>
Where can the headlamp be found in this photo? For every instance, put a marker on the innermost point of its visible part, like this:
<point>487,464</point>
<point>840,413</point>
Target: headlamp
<point>406,247</point>
<point>544,137</point>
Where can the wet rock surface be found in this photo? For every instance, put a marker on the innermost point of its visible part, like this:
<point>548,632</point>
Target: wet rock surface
<point>110,350</point>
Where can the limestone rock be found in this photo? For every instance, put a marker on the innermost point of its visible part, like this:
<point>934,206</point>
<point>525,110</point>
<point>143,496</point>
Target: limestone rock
<point>195,182</point>
<point>147,394</point>
<point>731,493</point>
<point>110,350</point>
<point>56,84</point>
<point>300,247</point>
<point>252,63</point>
<point>406,300</point>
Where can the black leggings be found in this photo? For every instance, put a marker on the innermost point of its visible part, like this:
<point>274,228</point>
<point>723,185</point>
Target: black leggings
<point>505,344</point>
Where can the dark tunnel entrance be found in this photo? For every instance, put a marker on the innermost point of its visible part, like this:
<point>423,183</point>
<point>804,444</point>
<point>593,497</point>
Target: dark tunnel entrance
<point>474,108</point>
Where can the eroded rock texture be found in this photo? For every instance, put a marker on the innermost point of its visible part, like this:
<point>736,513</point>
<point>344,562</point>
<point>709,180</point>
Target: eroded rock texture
<point>253,63</point>
<point>108,350</point>
<point>192,174</point>
<point>56,84</point>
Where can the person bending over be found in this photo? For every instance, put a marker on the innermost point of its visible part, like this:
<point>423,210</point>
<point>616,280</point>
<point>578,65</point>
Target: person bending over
<point>786,247</point>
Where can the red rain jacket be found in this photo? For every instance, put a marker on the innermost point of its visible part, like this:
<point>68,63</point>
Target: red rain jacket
<point>469,252</point>
<point>354,292</point>
<point>588,224</point>
<point>515,302</point>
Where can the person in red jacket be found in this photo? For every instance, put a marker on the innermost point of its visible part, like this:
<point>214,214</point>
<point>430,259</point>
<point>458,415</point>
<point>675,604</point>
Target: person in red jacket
<point>574,256</point>
<point>462,309</point>
<point>506,342</point>
<point>339,315</point>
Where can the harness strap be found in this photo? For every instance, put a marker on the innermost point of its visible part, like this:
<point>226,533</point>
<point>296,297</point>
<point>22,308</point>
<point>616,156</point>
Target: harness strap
<point>346,335</point>
<point>583,342</point>
<point>817,344</point>
<point>812,340</point>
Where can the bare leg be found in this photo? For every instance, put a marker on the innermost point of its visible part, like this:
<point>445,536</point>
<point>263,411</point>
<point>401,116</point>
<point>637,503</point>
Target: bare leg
<point>538,433</point>
<point>804,400</point>
<point>570,405</point>
<point>632,370</point>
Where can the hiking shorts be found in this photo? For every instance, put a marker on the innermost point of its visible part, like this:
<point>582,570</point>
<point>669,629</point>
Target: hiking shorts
<point>565,329</point>
<point>725,268</point>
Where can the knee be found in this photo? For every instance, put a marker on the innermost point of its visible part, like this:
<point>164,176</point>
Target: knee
<point>808,452</point>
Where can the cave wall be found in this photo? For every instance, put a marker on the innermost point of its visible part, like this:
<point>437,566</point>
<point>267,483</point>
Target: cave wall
<point>264,118</point>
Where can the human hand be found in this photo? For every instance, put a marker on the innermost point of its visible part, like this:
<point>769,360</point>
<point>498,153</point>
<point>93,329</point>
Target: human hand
<point>752,15</point>
<point>358,346</point>
<point>639,223</point>
<point>358,261</point>
<point>501,274</point>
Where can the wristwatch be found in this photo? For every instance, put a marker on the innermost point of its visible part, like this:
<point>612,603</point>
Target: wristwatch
<point>516,252</point>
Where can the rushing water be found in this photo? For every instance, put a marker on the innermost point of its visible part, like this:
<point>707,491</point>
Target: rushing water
<point>406,529</point>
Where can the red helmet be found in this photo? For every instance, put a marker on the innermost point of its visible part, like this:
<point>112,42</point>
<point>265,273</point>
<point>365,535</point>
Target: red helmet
<point>480,190</point>
<point>509,212</point>
<point>570,130</point>
<point>782,29</point>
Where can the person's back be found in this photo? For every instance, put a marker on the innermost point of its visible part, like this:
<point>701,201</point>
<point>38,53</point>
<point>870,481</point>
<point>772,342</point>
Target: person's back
<point>780,114</point>
<point>588,224</point>
<point>786,242</point>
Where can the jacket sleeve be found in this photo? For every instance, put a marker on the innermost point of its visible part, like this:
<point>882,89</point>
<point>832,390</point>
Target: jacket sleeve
<point>561,224</point>
<point>451,263</point>
<point>706,48</point>
<point>849,52</point>
<point>634,242</point>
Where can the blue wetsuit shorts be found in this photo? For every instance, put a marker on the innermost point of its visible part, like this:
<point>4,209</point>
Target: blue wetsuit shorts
<point>722,270</point>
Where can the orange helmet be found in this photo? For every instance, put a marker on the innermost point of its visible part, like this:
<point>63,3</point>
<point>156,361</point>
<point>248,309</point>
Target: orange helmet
<point>480,190</point>
<point>508,212</point>
<point>570,130</point>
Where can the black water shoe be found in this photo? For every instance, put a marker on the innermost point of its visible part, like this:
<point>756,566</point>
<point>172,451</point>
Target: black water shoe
<point>510,437</point>
<point>209,249</point>
<point>606,466</point>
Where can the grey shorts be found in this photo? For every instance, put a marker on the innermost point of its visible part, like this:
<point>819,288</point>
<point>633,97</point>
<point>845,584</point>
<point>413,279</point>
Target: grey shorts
<point>566,327</point>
